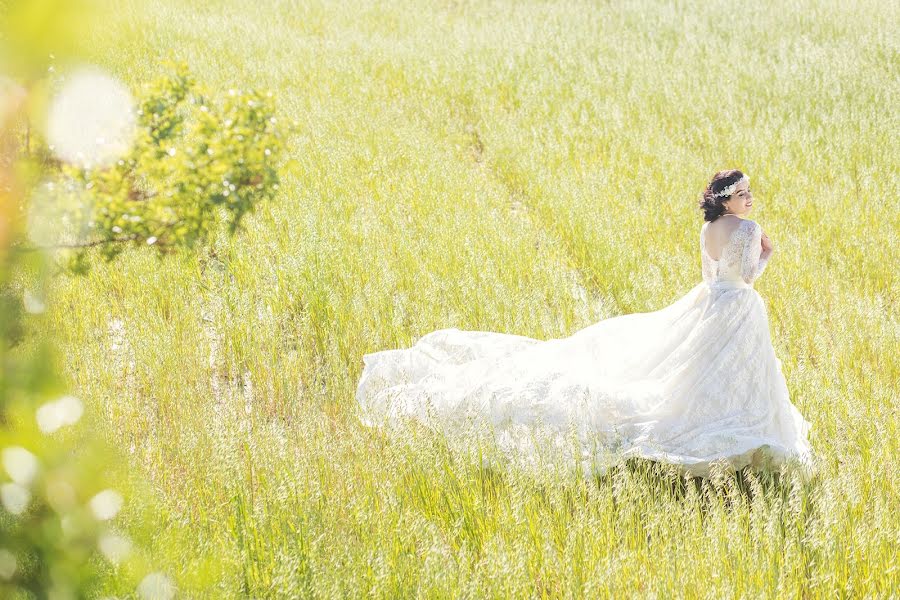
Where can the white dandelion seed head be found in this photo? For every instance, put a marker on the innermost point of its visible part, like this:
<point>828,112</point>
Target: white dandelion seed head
<point>14,497</point>
<point>21,464</point>
<point>91,121</point>
<point>114,547</point>
<point>53,415</point>
<point>156,586</point>
<point>34,304</point>
<point>106,504</point>
<point>8,564</point>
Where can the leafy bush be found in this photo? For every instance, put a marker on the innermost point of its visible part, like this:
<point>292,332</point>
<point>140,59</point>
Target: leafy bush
<point>194,162</point>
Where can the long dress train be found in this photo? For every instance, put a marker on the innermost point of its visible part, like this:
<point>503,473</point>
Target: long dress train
<point>692,383</point>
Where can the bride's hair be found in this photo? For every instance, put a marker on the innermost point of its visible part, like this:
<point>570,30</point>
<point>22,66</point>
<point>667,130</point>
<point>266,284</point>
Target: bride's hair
<point>710,205</point>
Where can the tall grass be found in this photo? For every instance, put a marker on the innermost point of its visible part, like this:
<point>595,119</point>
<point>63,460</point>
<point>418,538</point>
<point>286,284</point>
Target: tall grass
<point>525,167</point>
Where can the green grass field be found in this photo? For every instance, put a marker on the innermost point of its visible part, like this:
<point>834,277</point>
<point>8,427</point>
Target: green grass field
<point>523,167</point>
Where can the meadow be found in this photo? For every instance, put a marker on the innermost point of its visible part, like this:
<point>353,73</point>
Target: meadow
<point>517,166</point>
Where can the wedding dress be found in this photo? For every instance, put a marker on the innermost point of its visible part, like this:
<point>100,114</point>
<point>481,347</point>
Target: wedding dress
<point>689,384</point>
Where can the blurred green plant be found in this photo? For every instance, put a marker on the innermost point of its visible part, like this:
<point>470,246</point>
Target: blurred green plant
<point>57,485</point>
<point>192,164</point>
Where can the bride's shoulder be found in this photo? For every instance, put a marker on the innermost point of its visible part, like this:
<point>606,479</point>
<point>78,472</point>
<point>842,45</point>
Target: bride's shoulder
<point>726,223</point>
<point>745,231</point>
<point>750,224</point>
<point>735,222</point>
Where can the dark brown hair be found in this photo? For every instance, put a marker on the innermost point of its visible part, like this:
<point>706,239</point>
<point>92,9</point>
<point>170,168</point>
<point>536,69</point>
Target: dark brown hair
<point>711,206</point>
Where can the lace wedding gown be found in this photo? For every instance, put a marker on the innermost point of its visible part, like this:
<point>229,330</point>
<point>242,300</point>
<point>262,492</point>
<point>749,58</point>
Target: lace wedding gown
<point>692,383</point>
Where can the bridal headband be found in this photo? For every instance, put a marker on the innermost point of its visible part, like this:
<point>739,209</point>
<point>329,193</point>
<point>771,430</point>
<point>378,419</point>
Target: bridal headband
<point>730,189</point>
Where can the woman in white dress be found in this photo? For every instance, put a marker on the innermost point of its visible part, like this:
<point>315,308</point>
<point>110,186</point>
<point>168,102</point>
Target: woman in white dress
<point>690,384</point>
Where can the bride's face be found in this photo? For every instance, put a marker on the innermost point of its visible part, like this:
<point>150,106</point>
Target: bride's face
<point>741,201</point>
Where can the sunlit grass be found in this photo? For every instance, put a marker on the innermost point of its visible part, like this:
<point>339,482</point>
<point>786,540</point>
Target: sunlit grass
<point>521,167</point>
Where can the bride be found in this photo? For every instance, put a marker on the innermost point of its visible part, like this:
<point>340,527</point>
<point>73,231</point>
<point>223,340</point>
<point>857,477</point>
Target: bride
<point>690,384</point>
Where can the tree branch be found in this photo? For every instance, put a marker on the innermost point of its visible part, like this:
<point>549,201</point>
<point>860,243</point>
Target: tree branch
<point>101,242</point>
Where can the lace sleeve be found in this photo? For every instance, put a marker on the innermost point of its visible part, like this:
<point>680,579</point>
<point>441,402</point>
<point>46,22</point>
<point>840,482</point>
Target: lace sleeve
<point>753,260</point>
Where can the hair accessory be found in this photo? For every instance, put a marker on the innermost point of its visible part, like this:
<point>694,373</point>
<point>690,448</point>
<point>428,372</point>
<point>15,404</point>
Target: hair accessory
<point>730,189</point>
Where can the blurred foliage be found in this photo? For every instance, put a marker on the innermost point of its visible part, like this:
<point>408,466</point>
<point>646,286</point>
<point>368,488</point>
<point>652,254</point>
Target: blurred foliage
<point>192,161</point>
<point>48,531</point>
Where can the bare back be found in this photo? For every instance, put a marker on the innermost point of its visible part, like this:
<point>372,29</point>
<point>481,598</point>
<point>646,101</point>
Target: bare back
<point>718,233</point>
